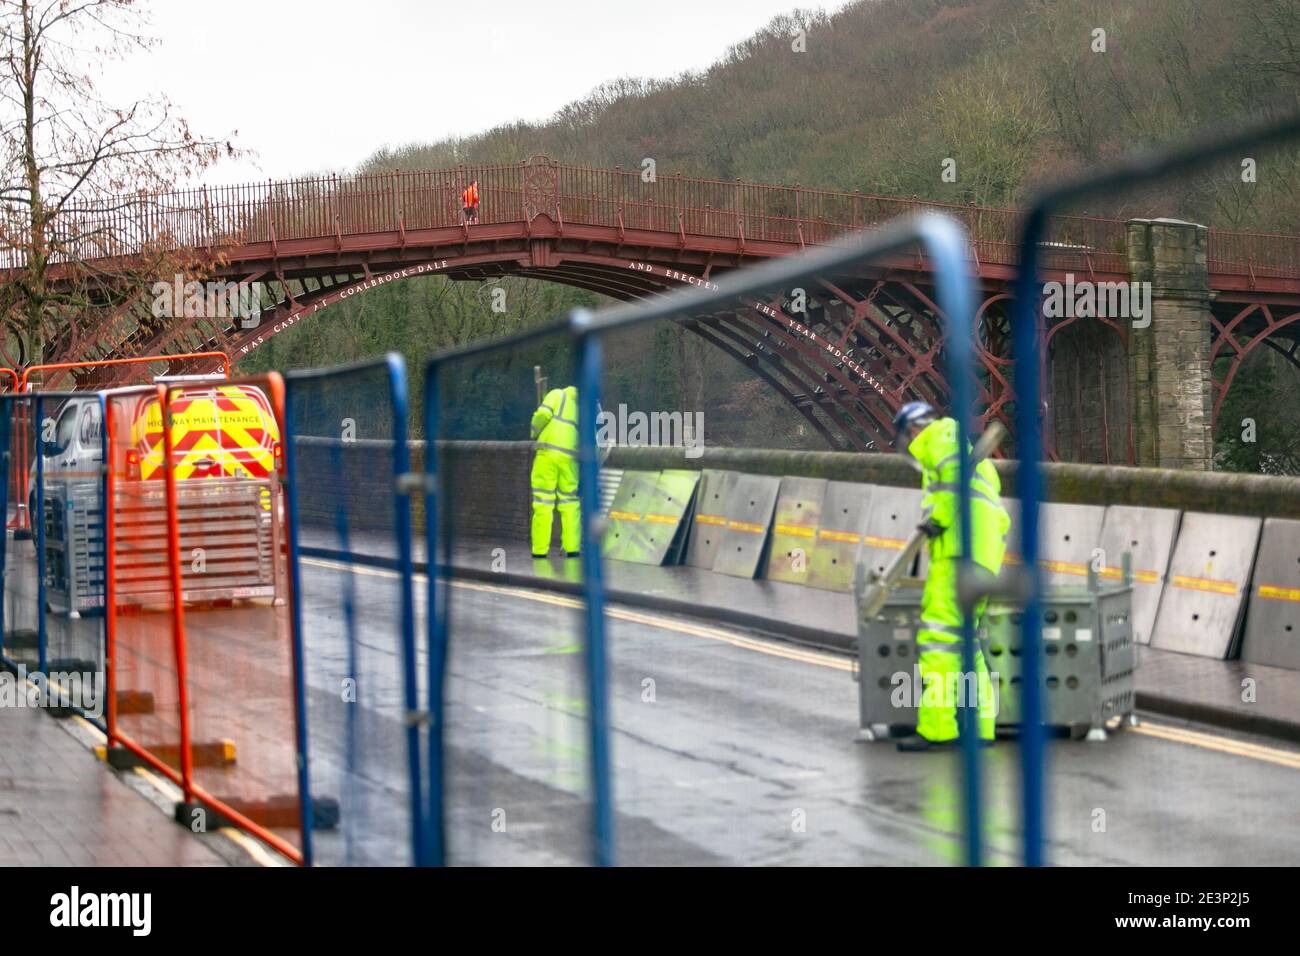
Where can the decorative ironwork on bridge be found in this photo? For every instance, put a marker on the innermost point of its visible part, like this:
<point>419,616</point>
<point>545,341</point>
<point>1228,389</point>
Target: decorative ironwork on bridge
<point>865,343</point>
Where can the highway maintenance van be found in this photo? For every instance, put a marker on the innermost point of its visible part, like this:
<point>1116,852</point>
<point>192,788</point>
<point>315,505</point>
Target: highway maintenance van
<point>228,456</point>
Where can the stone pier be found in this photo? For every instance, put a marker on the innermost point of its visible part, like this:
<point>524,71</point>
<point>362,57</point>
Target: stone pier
<point>1169,360</point>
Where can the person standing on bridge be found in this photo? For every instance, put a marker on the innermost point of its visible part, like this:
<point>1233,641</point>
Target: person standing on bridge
<point>932,442</point>
<point>555,471</point>
<point>469,198</point>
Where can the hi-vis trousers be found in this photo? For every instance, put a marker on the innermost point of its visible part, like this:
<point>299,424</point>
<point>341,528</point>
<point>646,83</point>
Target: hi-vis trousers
<point>939,657</point>
<point>555,487</point>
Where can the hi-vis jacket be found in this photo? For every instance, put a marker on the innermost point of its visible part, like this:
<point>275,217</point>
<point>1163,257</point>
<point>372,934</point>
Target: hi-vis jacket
<point>555,423</point>
<point>936,451</point>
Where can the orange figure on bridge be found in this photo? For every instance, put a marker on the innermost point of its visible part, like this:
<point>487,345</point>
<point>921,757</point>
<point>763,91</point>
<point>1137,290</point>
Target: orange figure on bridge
<point>469,198</point>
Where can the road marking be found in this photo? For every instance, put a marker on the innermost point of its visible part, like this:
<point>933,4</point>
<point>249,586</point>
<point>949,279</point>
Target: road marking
<point>237,837</point>
<point>771,648</point>
<point>169,790</point>
<point>1239,748</point>
<point>1282,758</point>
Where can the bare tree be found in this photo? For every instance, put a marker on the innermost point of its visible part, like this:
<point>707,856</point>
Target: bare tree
<point>81,236</point>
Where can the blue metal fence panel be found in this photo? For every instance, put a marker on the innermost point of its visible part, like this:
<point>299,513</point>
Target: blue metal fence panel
<point>593,590</point>
<point>510,730</point>
<point>437,628</point>
<point>55,583</point>
<point>1027,336</point>
<point>944,243</point>
<point>352,572</point>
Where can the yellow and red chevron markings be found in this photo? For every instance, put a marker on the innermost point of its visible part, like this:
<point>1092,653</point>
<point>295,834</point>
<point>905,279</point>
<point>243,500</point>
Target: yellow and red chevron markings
<point>221,431</point>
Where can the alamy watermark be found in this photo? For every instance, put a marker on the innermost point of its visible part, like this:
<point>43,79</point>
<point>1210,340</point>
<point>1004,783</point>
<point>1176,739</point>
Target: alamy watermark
<point>951,689</point>
<point>1102,300</point>
<point>179,299</point>
<point>683,430</point>
<point>81,690</point>
<point>133,911</point>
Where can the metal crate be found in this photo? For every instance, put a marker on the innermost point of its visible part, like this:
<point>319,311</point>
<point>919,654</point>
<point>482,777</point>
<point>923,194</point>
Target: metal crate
<point>74,546</point>
<point>232,522</point>
<point>1088,668</point>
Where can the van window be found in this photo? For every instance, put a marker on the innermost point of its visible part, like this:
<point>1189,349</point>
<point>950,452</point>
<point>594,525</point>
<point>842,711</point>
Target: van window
<point>64,430</point>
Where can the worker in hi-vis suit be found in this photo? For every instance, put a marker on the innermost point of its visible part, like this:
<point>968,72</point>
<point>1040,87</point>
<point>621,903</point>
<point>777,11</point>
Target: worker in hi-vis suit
<point>932,442</point>
<point>555,471</point>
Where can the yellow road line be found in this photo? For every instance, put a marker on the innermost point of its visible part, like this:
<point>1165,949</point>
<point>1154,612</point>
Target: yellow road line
<point>771,648</point>
<point>1238,748</point>
<point>250,846</point>
<point>169,790</point>
<point>1282,758</point>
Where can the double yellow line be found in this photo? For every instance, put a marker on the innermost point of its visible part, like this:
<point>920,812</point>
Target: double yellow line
<point>254,848</point>
<point>1226,745</point>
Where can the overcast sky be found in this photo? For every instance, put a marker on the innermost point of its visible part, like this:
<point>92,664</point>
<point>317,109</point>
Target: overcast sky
<point>315,85</point>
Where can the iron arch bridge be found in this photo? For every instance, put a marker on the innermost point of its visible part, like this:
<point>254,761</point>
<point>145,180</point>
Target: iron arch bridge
<point>863,343</point>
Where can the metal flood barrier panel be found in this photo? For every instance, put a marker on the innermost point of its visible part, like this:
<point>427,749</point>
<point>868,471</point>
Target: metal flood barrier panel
<point>709,519</point>
<point>1070,535</point>
<point>676,501</point>
<point>630,502</point>
<point>749,516</point>
<point>1147,536</point>
<point>1067,537</point>
<point>1205,592</point>
<point>1273,613</point>
<point>794,529</point>
<point>610,479</point>
<point>1088,666</point>
<point>645,520</point>
<point>892,516</point>
<point>839,538</point>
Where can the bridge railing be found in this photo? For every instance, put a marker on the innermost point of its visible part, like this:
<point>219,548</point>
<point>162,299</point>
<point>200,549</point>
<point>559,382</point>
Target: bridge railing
<point>406,200</point>
<point>1253,254</point>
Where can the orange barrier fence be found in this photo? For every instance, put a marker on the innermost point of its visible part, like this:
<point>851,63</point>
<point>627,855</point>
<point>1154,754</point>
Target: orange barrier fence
<point>134,360</point>
<point>201,683</point>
